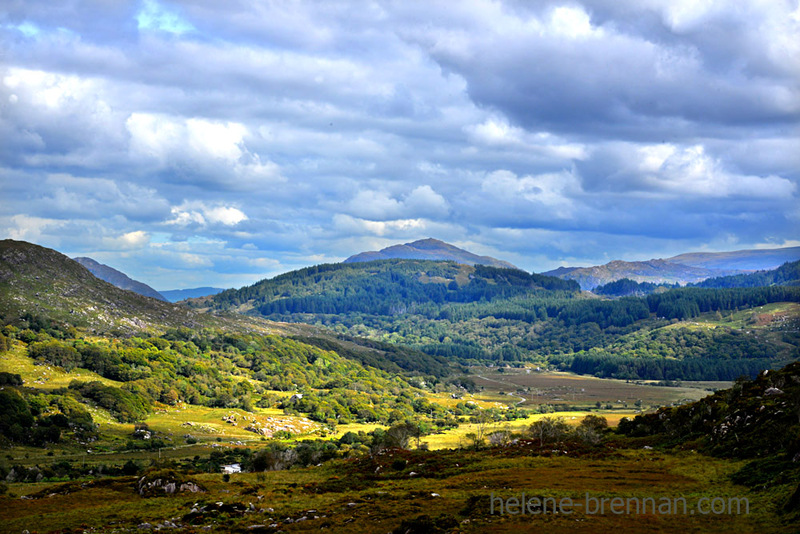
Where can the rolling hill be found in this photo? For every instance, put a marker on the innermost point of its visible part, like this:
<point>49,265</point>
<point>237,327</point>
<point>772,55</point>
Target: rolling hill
<point>421,316</point>
<point>478,314</point>
<point>382,287</point>
<point>689,268</point>
<point>429,249</point>
<point>744,260</point>
<point>654,271</point>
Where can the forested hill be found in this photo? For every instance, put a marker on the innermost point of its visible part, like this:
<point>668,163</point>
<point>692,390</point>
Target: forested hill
<point>384,287</point>
<point>478,314</point>
<point>787,274</point>
<point>132,355</point>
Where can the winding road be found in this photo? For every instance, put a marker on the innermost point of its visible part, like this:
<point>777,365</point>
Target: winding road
<point>510,385</point>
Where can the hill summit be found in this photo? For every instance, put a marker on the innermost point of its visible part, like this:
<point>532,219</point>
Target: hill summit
<point>429,249</point>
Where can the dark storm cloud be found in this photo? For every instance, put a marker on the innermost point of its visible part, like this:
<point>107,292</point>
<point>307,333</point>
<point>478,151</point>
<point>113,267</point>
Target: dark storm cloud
<point>208,143</point>
<point>563,70</point>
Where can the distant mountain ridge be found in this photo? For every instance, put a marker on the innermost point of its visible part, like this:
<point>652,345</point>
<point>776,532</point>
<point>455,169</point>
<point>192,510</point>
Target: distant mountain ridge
<point>429,249</point>
<point>176,295</point>
<point>787,274</point>
<point>655,271</point>
<point>745,260</point>
<point>118,278</point>
<point>689,268</point>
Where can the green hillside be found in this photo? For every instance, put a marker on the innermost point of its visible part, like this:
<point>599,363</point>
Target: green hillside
<point>140,352</point>
<point>118,412</point>
<point>383,287</point>
<point>787,274</point>
<point>476,314</point>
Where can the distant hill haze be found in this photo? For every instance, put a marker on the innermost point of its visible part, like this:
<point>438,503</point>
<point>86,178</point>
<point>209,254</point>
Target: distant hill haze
<point>176,295</point>
<point>686,268</point>
<point>745,260</point>
<point>429,249</point>
<point>119,279</point>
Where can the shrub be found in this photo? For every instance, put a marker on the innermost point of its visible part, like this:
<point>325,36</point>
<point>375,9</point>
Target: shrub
<point>549,430</point>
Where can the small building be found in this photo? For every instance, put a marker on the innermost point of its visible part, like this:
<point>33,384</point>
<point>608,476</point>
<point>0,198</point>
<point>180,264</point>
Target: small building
<point>232,468</point>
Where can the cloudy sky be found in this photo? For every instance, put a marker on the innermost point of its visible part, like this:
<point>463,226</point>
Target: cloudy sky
<point>200,142</point>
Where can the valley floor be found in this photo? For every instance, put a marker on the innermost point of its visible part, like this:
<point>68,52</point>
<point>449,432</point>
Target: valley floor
<point>422,491</point>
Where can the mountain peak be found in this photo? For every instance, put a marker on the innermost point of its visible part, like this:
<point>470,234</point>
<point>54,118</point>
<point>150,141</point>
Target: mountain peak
<point>430,242</point>
<point>429,249</point>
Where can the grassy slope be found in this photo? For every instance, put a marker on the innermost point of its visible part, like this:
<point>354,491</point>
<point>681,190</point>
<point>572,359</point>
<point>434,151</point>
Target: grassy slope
<point>45,377</point>
<point>768,323</point>
<point>376,495</point>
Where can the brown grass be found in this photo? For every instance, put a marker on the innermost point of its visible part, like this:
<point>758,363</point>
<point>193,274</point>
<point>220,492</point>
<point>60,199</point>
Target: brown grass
<point>377,494</point>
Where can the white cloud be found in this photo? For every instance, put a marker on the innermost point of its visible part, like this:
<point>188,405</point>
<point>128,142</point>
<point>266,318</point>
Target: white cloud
<point>691,171</point>
<point>307,130</point>
<point>199,214</point>
<point>424,201</point>
<point>129,241</point>
<point>376,205</point>
<point>225,215</point>
<point>24,227</point>
<point>194,260</point>
<point>495,131</point>
<point>218,140</point>
<point>50,90</point>
<point>572,22</point>
<point>353,225</point>
<point>548,194</point>
<point>182,217</point>
<point>164,137</point>
<point>214,151</point>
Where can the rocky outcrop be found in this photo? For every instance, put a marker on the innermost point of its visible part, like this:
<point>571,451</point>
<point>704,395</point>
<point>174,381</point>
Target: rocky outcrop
<point>166,482</point>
